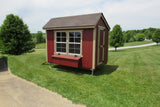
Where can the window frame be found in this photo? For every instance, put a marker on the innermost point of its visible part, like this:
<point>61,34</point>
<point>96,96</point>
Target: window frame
<point>67,42</point>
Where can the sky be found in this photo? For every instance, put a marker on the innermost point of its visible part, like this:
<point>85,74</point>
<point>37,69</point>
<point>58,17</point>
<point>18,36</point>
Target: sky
<point>129,14</point>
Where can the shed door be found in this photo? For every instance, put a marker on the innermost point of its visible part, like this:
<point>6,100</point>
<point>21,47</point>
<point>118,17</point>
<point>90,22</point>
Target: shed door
<point>101,44</point>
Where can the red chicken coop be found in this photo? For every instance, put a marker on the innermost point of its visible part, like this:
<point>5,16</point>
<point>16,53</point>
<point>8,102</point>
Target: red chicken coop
<point>78,41</point>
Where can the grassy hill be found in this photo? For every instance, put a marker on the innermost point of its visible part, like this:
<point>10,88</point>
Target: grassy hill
<point>135,43</point>
<point>131,78</point>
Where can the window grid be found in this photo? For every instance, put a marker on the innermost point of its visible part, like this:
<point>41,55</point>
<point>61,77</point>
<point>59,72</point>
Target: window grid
<point>68,43</point>
<point>74,42</point>
<point>61,42</point>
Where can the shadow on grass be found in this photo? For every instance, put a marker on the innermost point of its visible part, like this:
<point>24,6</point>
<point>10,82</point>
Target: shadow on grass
<point>105,69</point>
<point>101,70</point>
<point>3,64</point>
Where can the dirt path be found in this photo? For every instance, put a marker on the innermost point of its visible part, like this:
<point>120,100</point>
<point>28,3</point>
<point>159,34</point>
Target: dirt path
<point>17,92</point>
<point>127,47</point>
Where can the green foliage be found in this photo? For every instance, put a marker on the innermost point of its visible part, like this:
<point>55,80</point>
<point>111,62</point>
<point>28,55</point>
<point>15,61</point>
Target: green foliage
<point>140,37</point>
<point>156,36</point>
<point>39,37</point>
<point>127,36</point>
<point>148,34</point>
<point>0,41</point>
<point>116,37</point>
<point>15,36</point>
<point>0,44</point>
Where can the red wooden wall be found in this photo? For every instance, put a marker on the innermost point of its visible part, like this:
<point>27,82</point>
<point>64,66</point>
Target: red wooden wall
<point>50,45</point>
<point>87,45</point>
<point>87,48</point>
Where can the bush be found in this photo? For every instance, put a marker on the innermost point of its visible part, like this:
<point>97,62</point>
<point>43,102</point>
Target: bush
<point>140,37</point>
<point>15,36</point>
<point>131,40</point>
<point>128,37</point>
<point>156,36</point>
<point>148,34</point>
<point>39,37</point>
<point>0,44</point>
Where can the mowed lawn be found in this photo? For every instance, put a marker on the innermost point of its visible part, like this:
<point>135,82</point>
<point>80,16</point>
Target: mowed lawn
<point>131,78</point>
<point>135,43</point>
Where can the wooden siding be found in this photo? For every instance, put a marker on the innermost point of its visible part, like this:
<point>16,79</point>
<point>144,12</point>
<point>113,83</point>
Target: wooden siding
<point>50,44</point>
<point>87,44</point>
<point>87,48</point>
<point>101,23</point>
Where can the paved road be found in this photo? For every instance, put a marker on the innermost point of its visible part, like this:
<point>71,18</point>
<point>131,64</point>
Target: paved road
<point>17,92</point>
<point>150,44</point>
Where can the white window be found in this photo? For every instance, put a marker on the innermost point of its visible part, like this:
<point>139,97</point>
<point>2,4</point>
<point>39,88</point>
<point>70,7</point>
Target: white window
<point>68,42</point>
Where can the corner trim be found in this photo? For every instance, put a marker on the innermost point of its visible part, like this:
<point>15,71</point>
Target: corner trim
<point>46,47</point>
<point>94,48</point>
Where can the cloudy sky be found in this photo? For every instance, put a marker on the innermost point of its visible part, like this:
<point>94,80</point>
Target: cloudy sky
<point>130,14</point>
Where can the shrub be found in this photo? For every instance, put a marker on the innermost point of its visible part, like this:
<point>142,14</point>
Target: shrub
<point>39,37</point>
<point>15,36</point>
<point>140,37</point>
<point>156,36</point>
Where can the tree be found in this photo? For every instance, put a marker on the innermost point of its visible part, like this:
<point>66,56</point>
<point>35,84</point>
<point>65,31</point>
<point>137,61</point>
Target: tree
<point>15,36</point>
<point>156,36</point>
<point>39,37</point>
<point>140,37</point>
<point>0,43</point>
<point>116,37</point>
<point>0,40</point>
<point>148,34</point>
<point>128,37</point>
<point>34,37</point>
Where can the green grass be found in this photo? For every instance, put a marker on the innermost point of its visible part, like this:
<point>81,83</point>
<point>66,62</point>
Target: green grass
<point>41,46</point>
<point>135,43</point>
<point>131,78</point>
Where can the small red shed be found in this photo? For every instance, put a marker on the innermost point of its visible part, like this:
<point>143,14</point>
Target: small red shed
<point>78,41</point>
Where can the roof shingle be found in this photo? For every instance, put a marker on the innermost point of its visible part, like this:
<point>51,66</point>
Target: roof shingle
<point>73,21</point>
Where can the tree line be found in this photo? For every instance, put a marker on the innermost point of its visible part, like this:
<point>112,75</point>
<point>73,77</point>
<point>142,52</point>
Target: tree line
<point>118,37</point>
<point>138,35</point>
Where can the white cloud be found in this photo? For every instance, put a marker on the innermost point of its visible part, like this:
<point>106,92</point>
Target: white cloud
<point>130,14</point>
<point>133,14</point>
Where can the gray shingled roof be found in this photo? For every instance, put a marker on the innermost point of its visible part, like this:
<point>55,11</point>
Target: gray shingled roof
<point>74,21</point>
